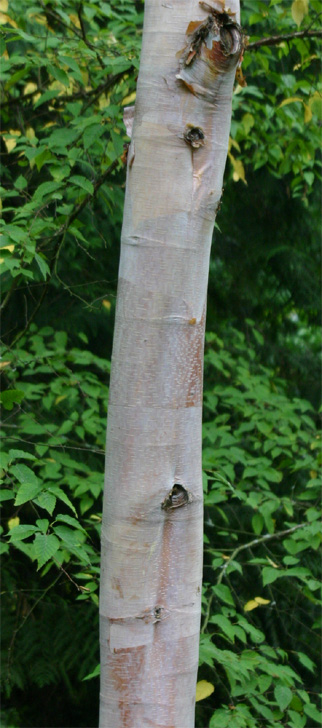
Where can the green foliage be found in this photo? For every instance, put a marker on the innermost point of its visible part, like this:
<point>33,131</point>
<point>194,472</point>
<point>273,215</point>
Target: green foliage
<point>277,114</point>
<point>67,70</point>
<point>262,540</point>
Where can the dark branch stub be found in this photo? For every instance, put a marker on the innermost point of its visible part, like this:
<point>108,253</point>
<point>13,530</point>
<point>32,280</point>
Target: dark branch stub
<point>194,136</point>
<point>177,497</point>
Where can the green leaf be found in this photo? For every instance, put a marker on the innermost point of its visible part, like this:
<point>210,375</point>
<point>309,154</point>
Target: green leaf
<point>269,575</point>
<point>44,267</point>
<point>298,721</point>
<point>91,134</point>
<point>23,474</point>
<point>59,74</point>
<point>22,531</point>
<point>224,624</point>
<point>10,397</point>
<point>46,188</point>
<point>47,96</point>
<point>283,696</point>
<point>21,183</point>
<point>264,682</point>
<point>27,492</point>
<point>95,673</point>
<point>59,493</point>
<point>223,593</point>
<point>220,719</point>
<point>312,712</point>
<point>71,521</point>
<point>6,494</point>
<point>42,524</point>
<point>45,546</point>
<point>82,182</point>
<point>20,454</point>
<point>70,536</point>
<point>47,501</point>
<point>257,523</point>
<point>305,660</point>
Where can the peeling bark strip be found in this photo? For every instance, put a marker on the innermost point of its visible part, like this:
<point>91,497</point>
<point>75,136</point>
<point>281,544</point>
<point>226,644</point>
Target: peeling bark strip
<point>152,518</point>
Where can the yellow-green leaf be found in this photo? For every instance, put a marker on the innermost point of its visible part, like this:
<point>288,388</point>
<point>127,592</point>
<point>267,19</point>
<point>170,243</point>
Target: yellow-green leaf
<point>290,100</point>
<point>239,170</point>
<point>203,690</point>
<point>13,522</point>
<point>300,8</point>
<point>252,604</point>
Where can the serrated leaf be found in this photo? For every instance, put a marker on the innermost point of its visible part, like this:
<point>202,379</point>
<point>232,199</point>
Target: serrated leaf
<point>47,501</point>
<point>59,493</point>
<point>21,531</point>
<point>27,492</point>
<point>42,524</point>
<point>71,521</point>
<point>21,454</point>
<point>45,546</point>
<point>82,182</point>
<point>23,473</point>
<point>203,690</point>
<point>70,536</point>
<point>224,624</point>
<point>283,696</point>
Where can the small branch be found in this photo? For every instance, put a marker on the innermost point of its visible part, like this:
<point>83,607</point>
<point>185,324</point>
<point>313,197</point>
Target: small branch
<point>207,615</point>
<point>78,586</point>
<point>276,39</point>
<point>63,447</point>
<point>95,92</point>
<point>9,293</point>
<point>255,542</point>
<point>89,45</point>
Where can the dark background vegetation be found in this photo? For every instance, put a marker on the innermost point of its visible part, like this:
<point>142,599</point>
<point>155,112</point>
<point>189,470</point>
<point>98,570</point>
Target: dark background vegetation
<point>67,71</point>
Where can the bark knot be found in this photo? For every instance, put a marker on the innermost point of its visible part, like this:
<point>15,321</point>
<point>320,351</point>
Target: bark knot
<point>194,136</point>
<point>177,497</point>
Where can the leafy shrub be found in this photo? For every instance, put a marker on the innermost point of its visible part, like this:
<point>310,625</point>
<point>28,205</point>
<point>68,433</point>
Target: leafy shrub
<point>262,593</point>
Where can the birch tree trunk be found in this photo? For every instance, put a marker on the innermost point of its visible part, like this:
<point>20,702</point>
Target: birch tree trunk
<point>152,532</point>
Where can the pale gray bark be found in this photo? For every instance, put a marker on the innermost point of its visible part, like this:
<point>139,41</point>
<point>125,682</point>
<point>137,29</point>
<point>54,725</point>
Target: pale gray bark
<point>152,532</point>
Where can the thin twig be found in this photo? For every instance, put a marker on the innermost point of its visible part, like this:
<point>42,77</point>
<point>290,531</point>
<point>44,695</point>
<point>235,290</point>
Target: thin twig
<point>276,39</point>
<point>255,542</point>
<point>110,81</point>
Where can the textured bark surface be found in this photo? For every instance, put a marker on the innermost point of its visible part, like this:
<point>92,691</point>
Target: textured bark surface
<point>152,533</point>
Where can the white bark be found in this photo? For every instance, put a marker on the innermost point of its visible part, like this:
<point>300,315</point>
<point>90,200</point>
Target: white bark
<point>152,551</point>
